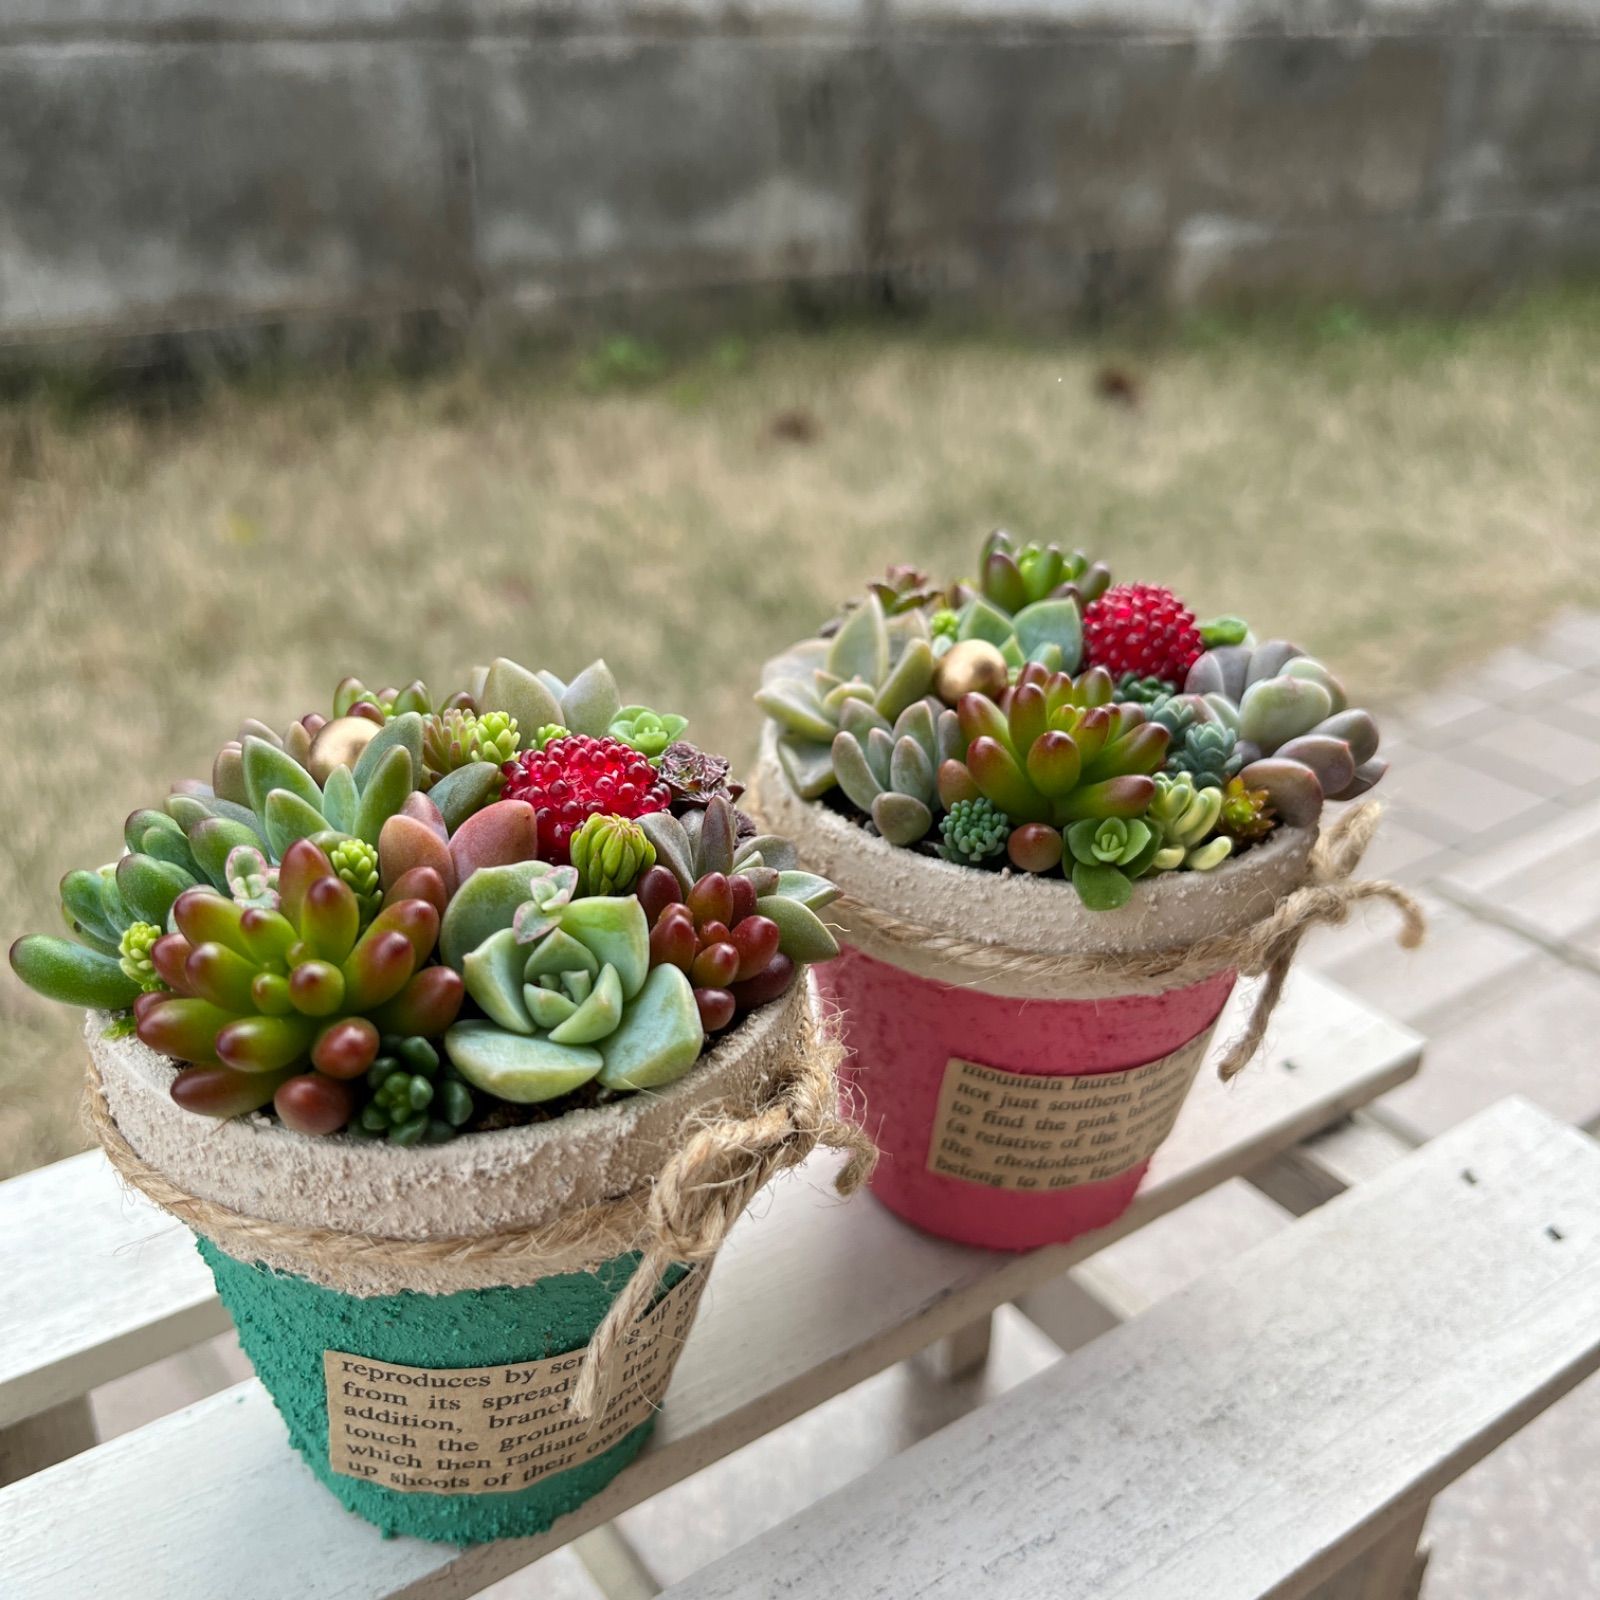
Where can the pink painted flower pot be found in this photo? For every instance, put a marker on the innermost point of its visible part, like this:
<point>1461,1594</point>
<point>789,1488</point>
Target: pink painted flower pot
<point>1015,1110</point>
<point>903,1030</point>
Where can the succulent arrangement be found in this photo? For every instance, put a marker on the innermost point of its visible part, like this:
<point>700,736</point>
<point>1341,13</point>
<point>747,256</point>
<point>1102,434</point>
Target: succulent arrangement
<point>410,920</point>
<point>1040,718</point>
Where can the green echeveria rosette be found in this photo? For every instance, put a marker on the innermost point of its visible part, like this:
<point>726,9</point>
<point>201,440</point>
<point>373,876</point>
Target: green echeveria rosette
<point>1107,855</point>
<point>649,732</point>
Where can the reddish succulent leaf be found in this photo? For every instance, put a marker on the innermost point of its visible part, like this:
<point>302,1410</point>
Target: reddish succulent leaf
<point>267,934</point>
<point>765,986</point>
<point>205,917</point>
<point>756,940</point>
<point>427,1005</point>
<point>1128,796</point>
<point>303,863</point>
<point>346,1048</point>
<point>1001,781</point>
<point>956,783</point>
<point>673,940</point>
<point>316,988</point>
<point>415,919</point>
<point>981,718</point>
<point>1035,847</point>
<point>330,918</point>
<point>421,883</point>
<point>1029,716</point>
<point>217,974</point>
<point>711,899</point>
<point>378,967</point>
<point>222,1092</point>
<point>500,834</point>
<point>182,1028</point>
<point>263,1044</point>
<point>169,955</point>
<point>715,967</point>
<point>716,1006</point>
<point>405,844</point>
<point>311,1103</point>
<point>657,889</point>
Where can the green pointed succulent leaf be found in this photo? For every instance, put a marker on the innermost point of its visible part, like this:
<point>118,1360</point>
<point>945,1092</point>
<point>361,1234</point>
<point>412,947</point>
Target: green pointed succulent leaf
<point>403,732</point>
<point>211,842</point>
<point>559,953</point>
<point>808,889</point>
<point>341,799</point>
<point>911,771</point>
<point>860,717</point>
<point>484,904</point>
<point>549,1008</point>
<point>512,1067</point>
<point>918,722</point>
<point>148,887</point>
<point>802,934</point>
<point>909,679</point>
<point>289,818</point>
<point>616,930</point>
<point>518,692</point>
<point>853,771</point>
<point>1051,624</point>
<point>591,702</point>
<point>84,904</point>
<point>795,708</point>
<point>860,648</point>
<point>774,851</point>
<point>386,789</point>
<point>982,620</point>
<point>62,970</point>
<point>598,1015</point>
<point>808,766</point>
<point>659,1037</point>
<point>1003,784</point>
<point>466,791</point>
<point>879,752</point>
<point>266,768</point>
<point>493,975</point>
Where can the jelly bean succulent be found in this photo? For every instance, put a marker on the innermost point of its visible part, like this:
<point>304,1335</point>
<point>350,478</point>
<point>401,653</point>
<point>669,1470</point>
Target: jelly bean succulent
<point>407,921</point>
<point>1099,732</point>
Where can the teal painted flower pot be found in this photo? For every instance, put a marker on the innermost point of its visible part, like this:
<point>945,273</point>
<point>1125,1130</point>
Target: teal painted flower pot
<point>286,1324</point>
<point>421,1316</point>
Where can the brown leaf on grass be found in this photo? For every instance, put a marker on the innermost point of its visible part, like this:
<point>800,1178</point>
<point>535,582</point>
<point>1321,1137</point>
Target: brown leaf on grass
<point>795,426</point>
<point>1119,386</point>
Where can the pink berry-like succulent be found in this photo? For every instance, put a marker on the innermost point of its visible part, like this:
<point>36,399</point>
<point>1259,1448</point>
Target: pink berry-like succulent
<point>578,777</point>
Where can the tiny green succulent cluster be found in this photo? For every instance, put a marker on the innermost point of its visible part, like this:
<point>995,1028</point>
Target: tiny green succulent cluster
<point>1066,725</point>
<point>404,920</point>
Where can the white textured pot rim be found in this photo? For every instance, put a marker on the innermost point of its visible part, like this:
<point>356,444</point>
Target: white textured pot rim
<point>1016,910</point>
<point>482,1183</point>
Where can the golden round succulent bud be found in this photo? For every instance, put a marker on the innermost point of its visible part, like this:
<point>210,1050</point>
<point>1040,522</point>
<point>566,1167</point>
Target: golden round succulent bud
<point>972,667</point>
<point>338,744</point>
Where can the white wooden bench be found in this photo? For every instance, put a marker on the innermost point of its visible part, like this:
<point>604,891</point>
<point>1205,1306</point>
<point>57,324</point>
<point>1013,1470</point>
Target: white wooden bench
<point>809,1298</point>
<point>1261,1430</point>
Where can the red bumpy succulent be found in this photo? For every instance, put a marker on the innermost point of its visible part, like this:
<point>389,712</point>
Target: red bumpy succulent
<point>716,935</point>
<point>1143,629</point>
<point>575,778</point>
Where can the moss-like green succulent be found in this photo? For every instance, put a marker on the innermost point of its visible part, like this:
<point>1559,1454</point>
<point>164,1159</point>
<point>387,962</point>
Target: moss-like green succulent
<point>887,668</point>
<point>890,771</point>
<point>412,1095</point>
<point>973,831</point>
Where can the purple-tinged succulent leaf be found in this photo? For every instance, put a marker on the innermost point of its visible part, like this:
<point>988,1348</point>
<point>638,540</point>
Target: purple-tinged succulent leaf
<point>204,916</point>
<point>1268,661</point>
<point>330,919</point>
<point>302,864</point>
<point>222,1092</point>
<point>415,919</point>
<point>1367,774</point>
<point>1330,759</point>
<point>377,969</point>
<point>1053,768</point>
<point>981,718</point>
<point>407,843</point>
<point>346,1048</point>
<point>426,1006</point>
<point>1358,729</point>
<point>1291,786</point>
<point>421,883</point>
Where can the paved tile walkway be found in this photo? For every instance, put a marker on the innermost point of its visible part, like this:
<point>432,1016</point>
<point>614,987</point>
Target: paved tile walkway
<point>1493,816</point>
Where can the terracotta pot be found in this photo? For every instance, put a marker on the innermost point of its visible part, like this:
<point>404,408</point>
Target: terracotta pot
<point>913,1014</point>
<point>446,1317</point>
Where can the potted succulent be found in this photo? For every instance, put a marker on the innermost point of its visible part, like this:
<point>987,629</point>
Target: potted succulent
<point>411,1012</point>
<point>1065,816</point>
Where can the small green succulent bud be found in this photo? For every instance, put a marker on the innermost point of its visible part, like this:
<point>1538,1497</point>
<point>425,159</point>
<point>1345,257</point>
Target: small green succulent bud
<point>945,624</point>
<point>550,730</point>
<point>497,737</point>
<point>649,732</point>
<point>356,862</point>
<point>134,955</point>
<point>1107,841</point>
<point>973,831</point>
<point>610,853</point>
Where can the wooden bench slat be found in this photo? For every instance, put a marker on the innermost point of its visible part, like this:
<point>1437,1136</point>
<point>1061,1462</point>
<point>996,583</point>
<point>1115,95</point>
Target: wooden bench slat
<point>1255,1432</point>
<point>809,1298</point>
<point>96,1283</point>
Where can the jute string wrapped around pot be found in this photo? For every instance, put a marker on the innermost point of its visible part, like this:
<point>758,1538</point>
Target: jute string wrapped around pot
<point>683,1215</point>
<point>1325,895</point>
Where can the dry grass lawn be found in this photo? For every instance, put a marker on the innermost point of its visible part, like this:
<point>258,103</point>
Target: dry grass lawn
<point>1401,496</point>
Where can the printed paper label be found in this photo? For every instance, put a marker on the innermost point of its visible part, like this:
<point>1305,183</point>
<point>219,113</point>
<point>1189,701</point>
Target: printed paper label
<point>1010,1130</point>
<point>494,1430</point>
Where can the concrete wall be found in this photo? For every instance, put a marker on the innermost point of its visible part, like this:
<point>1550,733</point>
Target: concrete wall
<point>200,163</point>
